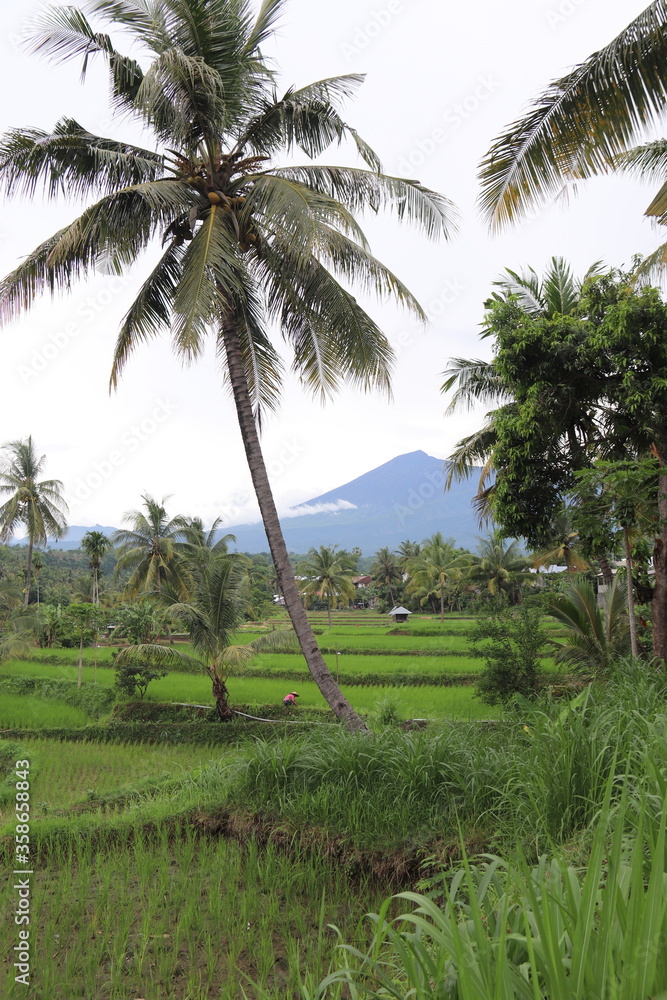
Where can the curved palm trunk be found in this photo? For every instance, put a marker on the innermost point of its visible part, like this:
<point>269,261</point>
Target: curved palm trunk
<point>26,593</point>
<point>221,695</point>
<point>311,651</point>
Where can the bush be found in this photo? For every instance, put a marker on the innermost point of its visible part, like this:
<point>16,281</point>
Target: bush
<point>95,700</point>
<point>511,640</point>
<point>134,676</point>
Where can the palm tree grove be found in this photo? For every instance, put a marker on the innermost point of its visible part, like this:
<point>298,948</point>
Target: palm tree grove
<point>333,501</point>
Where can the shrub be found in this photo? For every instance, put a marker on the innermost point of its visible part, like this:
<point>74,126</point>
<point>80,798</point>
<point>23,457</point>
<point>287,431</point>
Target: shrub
<point>511,640</point>
<point>134,676</point>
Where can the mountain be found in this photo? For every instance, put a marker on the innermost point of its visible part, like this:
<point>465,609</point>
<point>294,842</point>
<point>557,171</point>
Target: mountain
<point>72,539</point>
<point>404,498</point>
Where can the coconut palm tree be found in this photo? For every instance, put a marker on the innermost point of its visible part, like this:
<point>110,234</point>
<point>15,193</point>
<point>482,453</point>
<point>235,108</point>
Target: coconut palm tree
<point>211,617</point>
<point>593,637</point>
<point>95,544</point>
<point>586,123</point>
<point>149,548</point>
<point>328,576</point>
<point>437,564</point>
<point>38,505</point>
<point>500,565</point>
<point>199,546</point>
<point>247,244</point>
<point>385,571</point>
<point>563,546</point>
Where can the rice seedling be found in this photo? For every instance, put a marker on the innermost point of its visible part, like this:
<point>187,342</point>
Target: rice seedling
<point>181,917</point>
<point>28,712</point>
<point>93,772</point>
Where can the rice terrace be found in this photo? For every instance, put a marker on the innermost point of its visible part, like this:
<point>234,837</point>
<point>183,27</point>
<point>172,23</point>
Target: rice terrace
<point>291,708</point>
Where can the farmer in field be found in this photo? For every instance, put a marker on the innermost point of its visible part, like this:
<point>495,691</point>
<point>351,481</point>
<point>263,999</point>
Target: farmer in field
<point>290,699</point>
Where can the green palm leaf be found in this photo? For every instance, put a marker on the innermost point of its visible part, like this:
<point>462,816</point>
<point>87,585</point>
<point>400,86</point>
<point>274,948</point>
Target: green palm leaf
<point>582,121</point>
<point>72,161</point>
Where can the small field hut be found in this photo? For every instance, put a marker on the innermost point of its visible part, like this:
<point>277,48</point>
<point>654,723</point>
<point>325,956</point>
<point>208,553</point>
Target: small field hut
<point>399,615</point>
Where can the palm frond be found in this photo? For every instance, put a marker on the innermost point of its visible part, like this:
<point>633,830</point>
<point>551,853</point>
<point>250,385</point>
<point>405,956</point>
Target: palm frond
<point>333,338</point>
<point>64,33</point>
<point>476,381</point>
<point>262,364</point>
<point>72,161</point>
<point>210,268</point>
<point>365,190</point>
<point>151,311</point>
<point>581,122</point>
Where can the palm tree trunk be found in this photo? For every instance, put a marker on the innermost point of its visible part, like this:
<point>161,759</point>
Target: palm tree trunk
<point>634,640</point>
<point>659,600</point>
<point>311,651</point>
<point>26,593</point>
<point>605,569</point>
<point>329,611</point>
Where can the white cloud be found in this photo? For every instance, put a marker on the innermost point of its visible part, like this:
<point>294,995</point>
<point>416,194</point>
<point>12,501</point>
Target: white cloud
<point>320,508</point>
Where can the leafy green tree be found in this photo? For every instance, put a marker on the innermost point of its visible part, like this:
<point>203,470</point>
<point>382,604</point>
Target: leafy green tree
<point>437,564</point>
<point>139,622</point>
<point>511,640</point>
<point>622,496</point>
<point>385,572</point>
<point>134,676</point>
<point>593,636</point>
<point>328,576</point>
<point>85,621</point>
<point>583,123</point>
<point>149,548</point>
<point>38,505</point>
<point>248,245</point>
<point>523,305</point>
<point>95,544</point>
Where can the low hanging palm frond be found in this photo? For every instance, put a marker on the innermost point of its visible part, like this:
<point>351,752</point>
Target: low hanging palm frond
<point>209,263</point>
<point>72,161</point>
<point>582,121</point>
<point>152,310</point>
<point>333,338</point>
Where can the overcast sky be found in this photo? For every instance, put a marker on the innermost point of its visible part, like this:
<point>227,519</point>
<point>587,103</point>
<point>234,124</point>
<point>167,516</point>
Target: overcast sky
<point>442,80</point>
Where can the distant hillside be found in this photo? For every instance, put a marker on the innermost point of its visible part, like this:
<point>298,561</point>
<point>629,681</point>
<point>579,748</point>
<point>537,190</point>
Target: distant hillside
<point>403,498</point>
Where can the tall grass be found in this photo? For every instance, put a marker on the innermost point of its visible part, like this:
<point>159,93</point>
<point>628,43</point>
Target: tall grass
<point>533,779</point>
<point>551,931</point>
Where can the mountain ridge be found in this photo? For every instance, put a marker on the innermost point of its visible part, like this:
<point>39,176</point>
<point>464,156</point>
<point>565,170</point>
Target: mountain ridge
<point>402,498</point>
